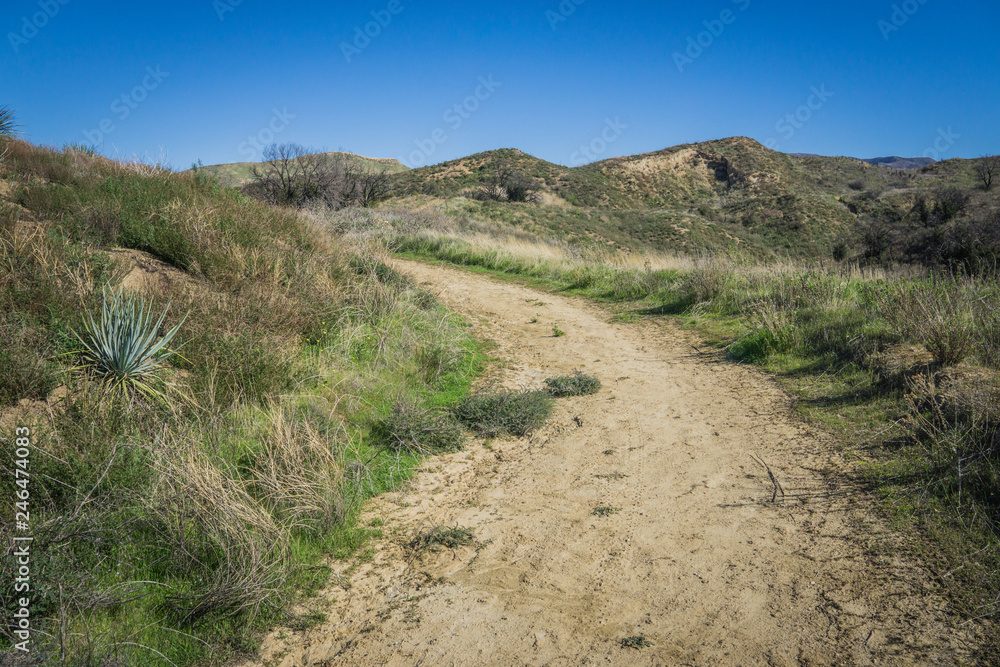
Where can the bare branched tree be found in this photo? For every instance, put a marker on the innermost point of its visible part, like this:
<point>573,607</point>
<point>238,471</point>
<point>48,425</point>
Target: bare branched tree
<point>292,175</point>
<point>987,167</point>
<point>373,186</point>
<point>502,181</point>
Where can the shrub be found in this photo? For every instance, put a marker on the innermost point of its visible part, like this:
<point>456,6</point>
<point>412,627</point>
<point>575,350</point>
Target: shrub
<point>504,412</point>
<point>410,427</point>
<point>26,373</point>
<point>701,285</point>
<point>293,175</point>
<point>248,365</point>
<point>774,333</point>
<point>577,384</point>
<point>936,316</point>
<point>438,359</point>
<point>954,416</point>
<point>502,181</point>
<point>949,337</point>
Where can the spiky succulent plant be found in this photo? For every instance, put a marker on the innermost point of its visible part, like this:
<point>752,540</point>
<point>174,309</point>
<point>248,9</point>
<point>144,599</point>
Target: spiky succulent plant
<point>122,347</point>
<point>8,128</point>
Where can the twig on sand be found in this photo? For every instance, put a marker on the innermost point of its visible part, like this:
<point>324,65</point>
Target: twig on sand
<point>774,480</point>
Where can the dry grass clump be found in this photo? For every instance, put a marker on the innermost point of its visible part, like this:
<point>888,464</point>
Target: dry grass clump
<point>229,554</point>
<point>938,316</point>
<point>297,473</point>
<point>703,283</point>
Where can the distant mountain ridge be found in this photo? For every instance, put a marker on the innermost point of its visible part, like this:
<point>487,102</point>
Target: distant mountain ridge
<point>892,162</point>
<point>895,162</point>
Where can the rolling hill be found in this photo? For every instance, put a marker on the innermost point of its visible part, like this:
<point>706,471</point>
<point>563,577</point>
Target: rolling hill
<point>726,195</point>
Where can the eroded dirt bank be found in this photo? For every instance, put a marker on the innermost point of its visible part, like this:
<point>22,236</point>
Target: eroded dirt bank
<point>699,560</point>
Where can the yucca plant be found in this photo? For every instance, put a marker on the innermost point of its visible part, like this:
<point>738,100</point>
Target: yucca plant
<point>8,128</point>
<point>122,347</point>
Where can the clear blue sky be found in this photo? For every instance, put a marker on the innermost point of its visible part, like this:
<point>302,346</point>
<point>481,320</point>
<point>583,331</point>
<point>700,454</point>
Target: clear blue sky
<point>924,81</point>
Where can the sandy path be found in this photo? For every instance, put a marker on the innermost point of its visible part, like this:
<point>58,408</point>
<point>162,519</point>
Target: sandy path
<point>698,560</point>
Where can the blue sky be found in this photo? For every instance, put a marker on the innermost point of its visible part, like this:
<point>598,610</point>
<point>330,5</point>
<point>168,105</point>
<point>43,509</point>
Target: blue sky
<point>568,81</point>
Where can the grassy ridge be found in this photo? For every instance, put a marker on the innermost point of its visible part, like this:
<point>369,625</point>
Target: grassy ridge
<point>183,528</point>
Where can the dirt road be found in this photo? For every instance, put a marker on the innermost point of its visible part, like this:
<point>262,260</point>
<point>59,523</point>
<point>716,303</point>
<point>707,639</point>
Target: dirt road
<point>699,560</point>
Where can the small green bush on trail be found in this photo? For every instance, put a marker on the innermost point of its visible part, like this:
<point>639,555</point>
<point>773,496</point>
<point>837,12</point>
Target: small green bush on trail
<point>410,427</point>
<point>577,384</point>
<point>504,412</point>
<point>605,511</point>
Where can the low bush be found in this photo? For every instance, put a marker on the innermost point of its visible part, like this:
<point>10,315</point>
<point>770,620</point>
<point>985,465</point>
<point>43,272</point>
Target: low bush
<point>937,316</point>
<point>504,412</point>
<point>410,427</point>
<point>26,373</point>
<point>577,384</point>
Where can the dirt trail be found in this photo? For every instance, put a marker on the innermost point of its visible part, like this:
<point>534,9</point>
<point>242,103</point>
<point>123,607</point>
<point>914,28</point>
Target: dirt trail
<point>699,559</point>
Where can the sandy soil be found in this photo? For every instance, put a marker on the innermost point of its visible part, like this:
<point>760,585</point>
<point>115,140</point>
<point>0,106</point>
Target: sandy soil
<point>699,560</point>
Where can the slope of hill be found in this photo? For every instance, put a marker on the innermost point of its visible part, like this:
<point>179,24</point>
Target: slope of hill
<point>213,483</point>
